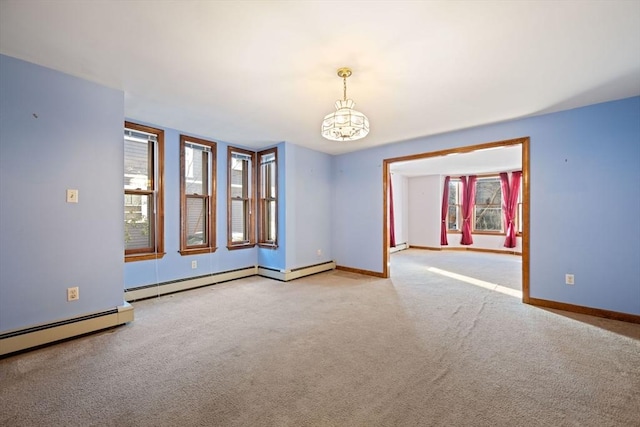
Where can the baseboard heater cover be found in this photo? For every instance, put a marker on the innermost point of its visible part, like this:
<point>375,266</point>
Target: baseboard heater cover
<point>399,247</point>
<point>22,339</point>
<point>155,290</point>
<point>296,273</point>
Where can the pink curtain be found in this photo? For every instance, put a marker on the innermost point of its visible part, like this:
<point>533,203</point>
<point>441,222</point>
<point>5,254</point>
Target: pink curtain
<point>392,222</point>
<point>468,198</point>
<point>510,205</point>
<point>445,211</point>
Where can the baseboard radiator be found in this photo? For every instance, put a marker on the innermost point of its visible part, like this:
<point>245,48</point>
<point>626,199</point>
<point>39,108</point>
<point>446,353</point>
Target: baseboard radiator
<point>27,338</point>
<point>158,289</point>
<point>296,273</point>
<point>22,339</point>
<point>399,247</point>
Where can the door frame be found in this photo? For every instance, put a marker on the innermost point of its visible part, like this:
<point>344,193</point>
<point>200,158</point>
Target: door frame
<point>524,141</point>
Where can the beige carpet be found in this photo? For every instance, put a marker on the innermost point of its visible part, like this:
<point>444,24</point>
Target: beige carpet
<point>338,349</point>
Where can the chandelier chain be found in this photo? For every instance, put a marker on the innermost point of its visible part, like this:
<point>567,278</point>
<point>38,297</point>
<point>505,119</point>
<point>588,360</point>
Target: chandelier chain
<point>344,79</point>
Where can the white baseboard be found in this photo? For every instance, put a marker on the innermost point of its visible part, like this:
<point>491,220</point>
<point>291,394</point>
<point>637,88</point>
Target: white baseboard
<point>296,273</point>
<point>22,339</point>
<point>150,291</point>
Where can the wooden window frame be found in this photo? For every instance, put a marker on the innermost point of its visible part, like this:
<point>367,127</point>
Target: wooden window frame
<point>249,200</point>
<point>208,197</point>
<point>156,192</point>
<point>264,201</point>
<point>502,231</point>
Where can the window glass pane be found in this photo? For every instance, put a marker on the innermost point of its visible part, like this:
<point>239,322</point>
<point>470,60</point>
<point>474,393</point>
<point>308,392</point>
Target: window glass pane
<point>519,220</point>
<point>270,221</point>
<point>488,192</point>
<point>239,178</point>
<point>452,218</point>
<point>268,175</point>
<point>454,201</point>
<point>488,205</point>
<point>196,163</point>
<point>488,219</point>
<point>267,158</point>
<point>238,221</point>
<point>197,221</point>
<point>453,192</point>
<point>137,225</point>
<point>137,163</point>
<point>271,192</point>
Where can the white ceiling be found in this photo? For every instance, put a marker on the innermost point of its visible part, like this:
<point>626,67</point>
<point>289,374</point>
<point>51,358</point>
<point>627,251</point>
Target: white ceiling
<point>490,160</point>
<point>255,73</point>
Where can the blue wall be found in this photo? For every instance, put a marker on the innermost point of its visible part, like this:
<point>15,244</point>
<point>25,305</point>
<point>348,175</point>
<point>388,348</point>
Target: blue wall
<point>585,201</point>
<point>48,245</point>
<point>309,199</point>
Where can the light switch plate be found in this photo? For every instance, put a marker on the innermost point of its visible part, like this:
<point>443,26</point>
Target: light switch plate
<point>72,196</point>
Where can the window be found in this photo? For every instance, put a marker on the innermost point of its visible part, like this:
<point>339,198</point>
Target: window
<point>240,193</point>
<point>143,192</point>
<point>487,209</point>
<point>268,198</point>
<point>454,222</point>
<point>197,195</point>
<point>519,219</point>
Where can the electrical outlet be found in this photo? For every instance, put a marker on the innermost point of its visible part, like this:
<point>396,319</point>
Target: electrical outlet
<point>568,279</point>
<point>319,252</point>
<point>194,264</point>
<point>73,294</point>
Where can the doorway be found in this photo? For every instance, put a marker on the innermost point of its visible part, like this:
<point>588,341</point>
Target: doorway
<point>441,155</point>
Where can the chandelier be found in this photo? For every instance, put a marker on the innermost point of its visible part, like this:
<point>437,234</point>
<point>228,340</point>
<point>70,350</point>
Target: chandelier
<point>345,124</point>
